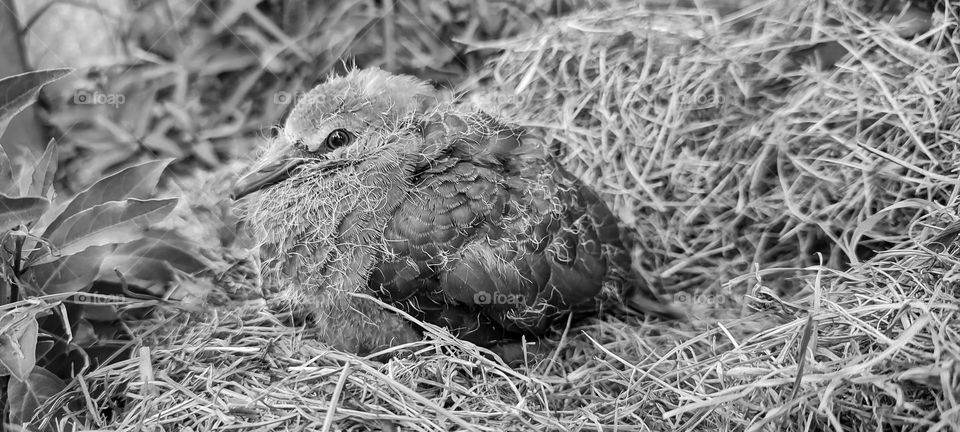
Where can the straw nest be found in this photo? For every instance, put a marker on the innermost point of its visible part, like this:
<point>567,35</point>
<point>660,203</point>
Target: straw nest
<point>804,216</point>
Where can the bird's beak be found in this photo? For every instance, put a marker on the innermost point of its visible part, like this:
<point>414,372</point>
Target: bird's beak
<point>269,175</point>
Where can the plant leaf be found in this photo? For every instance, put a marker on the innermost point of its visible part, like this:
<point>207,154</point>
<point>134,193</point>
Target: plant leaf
<point>7,186</point>
<point>19,91</point>
<point>138,181</point>
<point>139,258</point>
<point>101,313</point>
<point>37,181</point>
<point>18,344</point>
<point>16,211</point>
<point>25,396</point>
<point>44,347</point>
<point>70,274</point>
<point>84,334</point>
<point>154,260</point>
<point>107,223</point>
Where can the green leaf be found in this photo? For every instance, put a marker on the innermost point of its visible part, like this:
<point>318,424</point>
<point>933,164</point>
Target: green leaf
<point>153,260</point>
<point>142,258</point>
<point>7,186</point>
<point>102,313</point>
<point>16,211</point>
<point>44,347</point>
<point>70,274</point>
<point>84,334</point>
<point>38,181</point>
<point>138,181</point>
<point>19,91</point>
<point>18,343</point>
<point>108,223</point>
<point>25,396</point>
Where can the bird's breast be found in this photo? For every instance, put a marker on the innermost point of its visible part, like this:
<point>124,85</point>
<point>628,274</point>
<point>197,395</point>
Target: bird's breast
<point>324,232</point>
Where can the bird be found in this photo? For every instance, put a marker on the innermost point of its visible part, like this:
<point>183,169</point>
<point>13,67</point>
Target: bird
<point>379,190</point>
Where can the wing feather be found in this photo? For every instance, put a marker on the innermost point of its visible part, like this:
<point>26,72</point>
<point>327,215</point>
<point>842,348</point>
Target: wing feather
<point>497,233</point>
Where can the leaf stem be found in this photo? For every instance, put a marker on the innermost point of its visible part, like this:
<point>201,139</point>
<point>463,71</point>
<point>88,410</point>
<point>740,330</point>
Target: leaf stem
<point>17,266</point>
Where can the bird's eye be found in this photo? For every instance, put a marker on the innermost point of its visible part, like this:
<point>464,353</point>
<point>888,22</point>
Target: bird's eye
<point>338,138</point>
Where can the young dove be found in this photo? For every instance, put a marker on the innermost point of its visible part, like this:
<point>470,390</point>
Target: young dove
<point>374,186</point>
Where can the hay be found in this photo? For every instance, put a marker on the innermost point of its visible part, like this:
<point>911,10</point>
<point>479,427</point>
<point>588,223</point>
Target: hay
<point>723,152</point>
<point>794,212</point>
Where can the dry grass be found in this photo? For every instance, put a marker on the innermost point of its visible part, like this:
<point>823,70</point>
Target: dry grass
<point>806,218</point>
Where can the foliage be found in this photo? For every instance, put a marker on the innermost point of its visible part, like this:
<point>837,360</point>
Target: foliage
<point>205,81</point>
<point>51,318</point>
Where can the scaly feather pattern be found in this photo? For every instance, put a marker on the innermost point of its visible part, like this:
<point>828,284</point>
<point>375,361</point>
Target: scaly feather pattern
<point>374,186</point>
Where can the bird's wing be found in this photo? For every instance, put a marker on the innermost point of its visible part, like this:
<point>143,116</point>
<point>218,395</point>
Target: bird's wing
<point>496,231</point>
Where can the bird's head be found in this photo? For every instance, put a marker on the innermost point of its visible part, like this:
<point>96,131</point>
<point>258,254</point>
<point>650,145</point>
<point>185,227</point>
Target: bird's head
<point>344,122</point>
